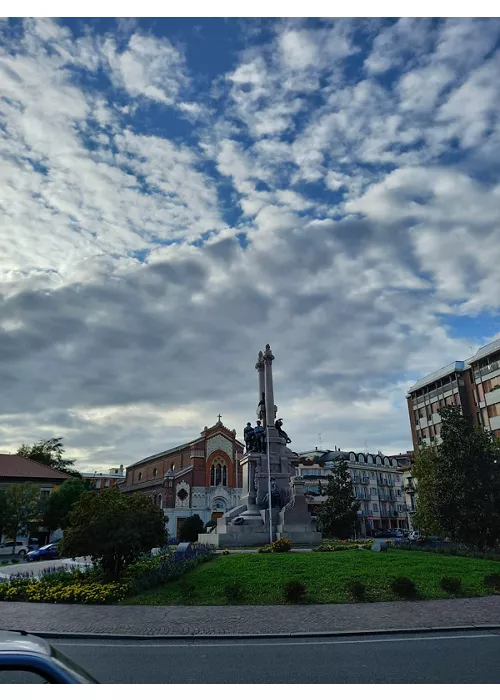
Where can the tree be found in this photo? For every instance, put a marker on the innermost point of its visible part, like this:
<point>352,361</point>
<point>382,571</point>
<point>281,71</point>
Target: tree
<point>191,528</point>
<point>61,501</point>
<point>22,506</point>
<point>50,452</point>
<point>3,510</point>
<point>113,529</point>
<point>459,483</point>
<point>338,514</point>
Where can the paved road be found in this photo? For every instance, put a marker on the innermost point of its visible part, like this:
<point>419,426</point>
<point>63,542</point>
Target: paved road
<point>445,658</point>
<point>37,566</point>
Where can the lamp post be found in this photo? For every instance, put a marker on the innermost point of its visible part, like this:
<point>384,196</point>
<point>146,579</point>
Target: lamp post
<point>269,487</point>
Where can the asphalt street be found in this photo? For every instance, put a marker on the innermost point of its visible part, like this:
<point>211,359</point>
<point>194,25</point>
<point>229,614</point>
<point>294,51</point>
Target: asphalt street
<point>460,657</point>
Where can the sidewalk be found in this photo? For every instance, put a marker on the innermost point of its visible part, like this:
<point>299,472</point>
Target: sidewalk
<point>248,620</point>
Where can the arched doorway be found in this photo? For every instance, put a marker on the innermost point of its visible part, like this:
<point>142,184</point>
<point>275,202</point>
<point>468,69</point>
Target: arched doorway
<point>219,507</point>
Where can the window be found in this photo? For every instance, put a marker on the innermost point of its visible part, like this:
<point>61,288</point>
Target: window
<point>155,473</point>
<point>375,507</point>
<point>106,483</point>
<point>218,472</point>
<point>352,457</point>
<point>98,483</point>
<point>400,508</point>
<point>374,492</point>
<point>139,478</point>
<point>373,474</point>
<point>378,459</point>
<point>44,495</point>
<point>160,502</point>
<point>398,492</point>
<point>386,462</point>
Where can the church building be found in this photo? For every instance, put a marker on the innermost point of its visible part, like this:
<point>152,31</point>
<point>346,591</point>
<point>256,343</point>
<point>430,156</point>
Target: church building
<point>200,477</point>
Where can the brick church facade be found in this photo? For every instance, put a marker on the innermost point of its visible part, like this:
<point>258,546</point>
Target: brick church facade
<point>201,477</point>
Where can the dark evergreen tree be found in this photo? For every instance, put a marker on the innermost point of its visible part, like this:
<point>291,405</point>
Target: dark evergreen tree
<point>338,514</point>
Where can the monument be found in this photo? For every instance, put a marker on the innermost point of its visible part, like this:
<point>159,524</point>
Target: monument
<point>268,467</point>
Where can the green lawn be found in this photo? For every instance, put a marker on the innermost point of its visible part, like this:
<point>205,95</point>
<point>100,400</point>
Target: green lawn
<point>324,573</point>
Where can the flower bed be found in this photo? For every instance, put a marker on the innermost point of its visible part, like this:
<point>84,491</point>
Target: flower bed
<point>342,547</point>
<point>73,585</point>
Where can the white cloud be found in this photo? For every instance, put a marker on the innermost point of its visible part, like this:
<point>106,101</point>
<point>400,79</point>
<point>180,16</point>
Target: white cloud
<point>368,203</point>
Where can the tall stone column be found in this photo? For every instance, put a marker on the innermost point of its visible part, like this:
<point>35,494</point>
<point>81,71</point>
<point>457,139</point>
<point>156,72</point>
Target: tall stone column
<point>269,390</point>
<point>259,366</point>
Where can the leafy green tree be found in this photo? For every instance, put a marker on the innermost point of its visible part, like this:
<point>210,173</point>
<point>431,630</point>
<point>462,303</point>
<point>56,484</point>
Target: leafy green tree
<point>337,516</point>
<point>3,510</point>
<point>21,507</point>
<point>113,529</point>
<point>459,483</point>
<point>50,452</point>
<point>61,500</point>
<point>191,528</point>
<point>426,517</point>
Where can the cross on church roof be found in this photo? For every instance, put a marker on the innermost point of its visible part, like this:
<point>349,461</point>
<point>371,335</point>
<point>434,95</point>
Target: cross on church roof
<point>219,417</point>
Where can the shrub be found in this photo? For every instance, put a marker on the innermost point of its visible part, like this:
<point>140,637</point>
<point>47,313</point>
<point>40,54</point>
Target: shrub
<point>493,581</point>
<point>281,545</point>
<point>188,589</point>
<point>234,591</point>
<point>191,528</point>
<point>404,587</point>
<point>356,589</point>
<point>265,550</point>
<point>226,552</point>
<point>14,561</point>
<point>450,585</point>
<point>210,525</point>
<point>43,592</point>
<point>294,592</point>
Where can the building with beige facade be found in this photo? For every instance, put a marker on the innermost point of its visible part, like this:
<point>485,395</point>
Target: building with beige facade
<point>377,483</point>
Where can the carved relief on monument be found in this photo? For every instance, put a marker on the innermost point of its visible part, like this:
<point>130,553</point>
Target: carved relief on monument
<point>219,442</point>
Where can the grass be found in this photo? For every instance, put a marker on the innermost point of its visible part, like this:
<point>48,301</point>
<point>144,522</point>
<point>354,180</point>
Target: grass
<point>325,575</point>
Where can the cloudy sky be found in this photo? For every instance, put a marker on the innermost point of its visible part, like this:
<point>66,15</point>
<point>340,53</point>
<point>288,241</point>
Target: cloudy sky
<point>174,194</point>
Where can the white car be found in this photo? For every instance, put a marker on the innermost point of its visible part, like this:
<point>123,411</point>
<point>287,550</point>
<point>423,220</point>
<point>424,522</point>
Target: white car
<point>20,548</point>
<point>414,535</point>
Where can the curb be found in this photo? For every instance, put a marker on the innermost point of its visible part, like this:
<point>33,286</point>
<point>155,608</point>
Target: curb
<point>264,635</point>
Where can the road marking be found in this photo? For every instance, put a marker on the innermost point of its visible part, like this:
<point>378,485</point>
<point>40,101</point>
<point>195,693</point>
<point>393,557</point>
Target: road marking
<point>148,645</point>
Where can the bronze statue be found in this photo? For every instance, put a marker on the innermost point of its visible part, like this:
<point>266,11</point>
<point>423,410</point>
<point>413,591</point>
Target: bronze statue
<point>278,425</point>
<point>259,440</point>
<point>261,409</point>
<point>249,436</point>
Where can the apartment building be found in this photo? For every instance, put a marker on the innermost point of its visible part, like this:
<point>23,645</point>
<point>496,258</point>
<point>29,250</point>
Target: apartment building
<point>377,483</point>
<point>472,384</point>
<point>485,379</point>
<point>105,480</point>
<point>447,386</point>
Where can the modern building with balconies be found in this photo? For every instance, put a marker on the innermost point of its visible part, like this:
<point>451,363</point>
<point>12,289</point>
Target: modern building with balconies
<point>472,384</point>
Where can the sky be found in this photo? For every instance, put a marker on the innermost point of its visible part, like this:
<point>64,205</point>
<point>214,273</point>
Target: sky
<point>176,193</point>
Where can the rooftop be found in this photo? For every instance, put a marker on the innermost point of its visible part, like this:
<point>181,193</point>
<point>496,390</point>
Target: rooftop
<point>17,467</point>
<point>485,351</point>
<point>457,366</point>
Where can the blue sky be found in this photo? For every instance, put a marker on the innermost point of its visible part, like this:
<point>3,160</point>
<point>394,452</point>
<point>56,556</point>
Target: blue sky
<point>176,193</point>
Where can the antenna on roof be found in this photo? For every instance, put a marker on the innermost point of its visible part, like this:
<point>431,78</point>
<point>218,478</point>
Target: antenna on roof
<point>320,440</point>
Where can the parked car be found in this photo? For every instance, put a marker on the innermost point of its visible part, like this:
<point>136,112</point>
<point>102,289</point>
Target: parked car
<point>48,552</point>
<point>415,535</point>
<point>20,548</point>
<point>397,533</point>
<point>25,658</point>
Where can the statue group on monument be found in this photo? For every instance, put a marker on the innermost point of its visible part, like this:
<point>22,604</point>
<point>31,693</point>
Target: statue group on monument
<point>255,437</point>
